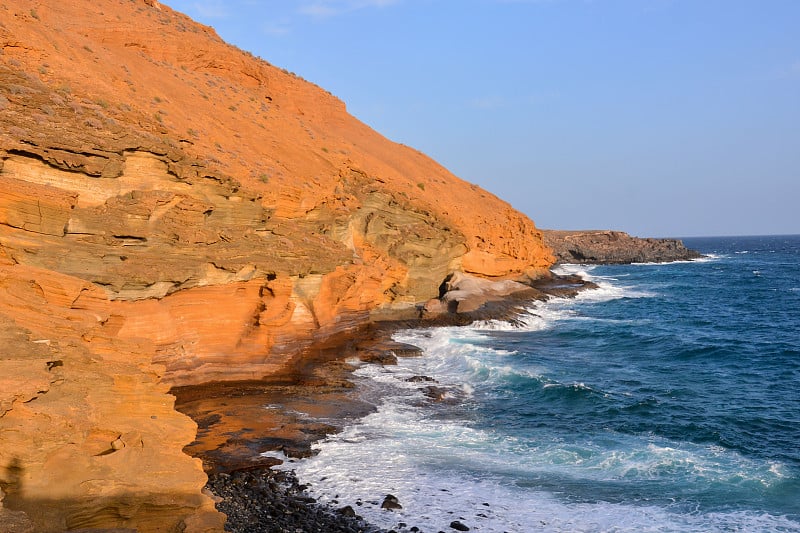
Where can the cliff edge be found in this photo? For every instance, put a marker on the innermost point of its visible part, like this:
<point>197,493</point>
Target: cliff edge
<point>175,211</point>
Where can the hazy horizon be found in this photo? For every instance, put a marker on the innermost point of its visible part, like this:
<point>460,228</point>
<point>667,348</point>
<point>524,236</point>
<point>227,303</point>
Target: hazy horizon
<point>662,118</point>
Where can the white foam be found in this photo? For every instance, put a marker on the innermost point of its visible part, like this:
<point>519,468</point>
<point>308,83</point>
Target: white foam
<point>708,258</point>
<point>542,315</point>
<point>606,289</point>
<point>571,269</point>
<point>275,454</point>
<point>425,463</point>
<point>442,469</point>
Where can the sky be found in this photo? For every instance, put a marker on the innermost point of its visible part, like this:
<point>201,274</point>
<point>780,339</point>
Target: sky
<point>662,118</point>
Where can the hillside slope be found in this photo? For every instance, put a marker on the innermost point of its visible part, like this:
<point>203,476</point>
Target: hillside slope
<point>174,211</point>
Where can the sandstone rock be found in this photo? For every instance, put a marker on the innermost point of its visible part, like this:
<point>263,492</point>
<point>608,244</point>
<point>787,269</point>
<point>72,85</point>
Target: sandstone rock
<point>465,293</point>
<point>175,211</point>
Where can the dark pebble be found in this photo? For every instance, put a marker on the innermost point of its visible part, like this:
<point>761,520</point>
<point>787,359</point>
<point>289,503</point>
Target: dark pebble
<point>458,526</point>
<point>391,502</point>
<point>347,511</point>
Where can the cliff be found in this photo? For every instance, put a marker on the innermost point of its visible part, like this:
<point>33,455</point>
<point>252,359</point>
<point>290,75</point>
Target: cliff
<point>613,247</point>
<point>175,211</point>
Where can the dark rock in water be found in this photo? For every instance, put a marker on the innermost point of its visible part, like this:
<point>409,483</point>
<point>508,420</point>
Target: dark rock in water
<point>402,349</point>
<point>385,352</point>
<point>390,503</point>
<point>614,247</point>
<point>420,379</point>
<point>347,511</point>
<point>458,526</point>
<point>435,393</point>
<point>378,356</point>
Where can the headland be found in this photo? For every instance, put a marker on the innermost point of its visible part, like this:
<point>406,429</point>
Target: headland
<point>175,212</point>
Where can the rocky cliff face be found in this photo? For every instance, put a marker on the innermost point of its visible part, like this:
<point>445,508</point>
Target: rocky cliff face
<point>175,211</point>
<point>614,247</point>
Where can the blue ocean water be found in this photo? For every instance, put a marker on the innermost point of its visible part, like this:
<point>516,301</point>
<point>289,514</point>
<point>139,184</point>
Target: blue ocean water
<point>668,399</point>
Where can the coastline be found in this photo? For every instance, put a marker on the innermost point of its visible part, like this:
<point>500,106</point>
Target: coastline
<point>246,428</point>
<point>608,247</point>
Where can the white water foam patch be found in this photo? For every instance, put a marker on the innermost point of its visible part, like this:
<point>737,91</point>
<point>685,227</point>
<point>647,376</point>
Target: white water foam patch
<point>608,287</point>
<point>709,258</point>
<point>607,290</point>
<point>542,315</point>
<point>400,451</point>
<point>457,357</point>
<point>538,316</point>
<point>443,469</point>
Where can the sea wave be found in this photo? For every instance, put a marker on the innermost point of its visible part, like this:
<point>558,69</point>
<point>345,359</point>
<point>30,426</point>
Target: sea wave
<point>444,468</point>
<point>583,417</point>
<point>607,287</point>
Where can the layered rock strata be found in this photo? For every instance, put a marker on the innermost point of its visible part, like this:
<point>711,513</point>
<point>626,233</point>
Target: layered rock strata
<point>175,211</point>
<point>614,247</point>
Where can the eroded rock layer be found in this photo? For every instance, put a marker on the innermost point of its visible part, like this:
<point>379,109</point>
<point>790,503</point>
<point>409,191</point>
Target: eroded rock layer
<point>175,211</point>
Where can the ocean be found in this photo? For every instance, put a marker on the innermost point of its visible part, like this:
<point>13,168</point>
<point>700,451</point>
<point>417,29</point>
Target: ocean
<point>667,399</point>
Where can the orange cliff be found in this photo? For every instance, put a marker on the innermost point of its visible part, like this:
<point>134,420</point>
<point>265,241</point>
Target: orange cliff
<point>174,211</point>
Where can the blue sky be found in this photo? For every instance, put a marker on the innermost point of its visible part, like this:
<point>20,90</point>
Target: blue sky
<point>656,117</point>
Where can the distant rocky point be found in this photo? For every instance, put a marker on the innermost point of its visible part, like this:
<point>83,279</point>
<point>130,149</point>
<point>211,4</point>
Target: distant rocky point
<point>614,247</point>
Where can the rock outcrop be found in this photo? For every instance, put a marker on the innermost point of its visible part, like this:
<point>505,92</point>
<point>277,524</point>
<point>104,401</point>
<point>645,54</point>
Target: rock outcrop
<point>614,247</point>
<point>175,211</point>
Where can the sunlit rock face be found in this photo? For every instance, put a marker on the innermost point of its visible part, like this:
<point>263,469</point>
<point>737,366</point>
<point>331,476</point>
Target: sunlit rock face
<point>174,211</point>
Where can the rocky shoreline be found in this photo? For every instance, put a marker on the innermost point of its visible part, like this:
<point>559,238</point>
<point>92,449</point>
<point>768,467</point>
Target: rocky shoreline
<point>614,247</point>
<point>284,416</point>
<point>262,500</point>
